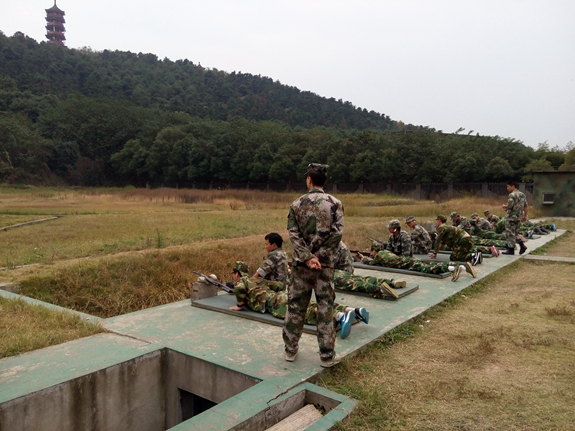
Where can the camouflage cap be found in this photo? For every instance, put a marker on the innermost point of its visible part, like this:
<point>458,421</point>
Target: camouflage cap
<point>453,215</point>
<point>474,215</point>
<point>409,219</point>
<point>394,224</point>
<point>316,168</point>
<point>442,218</point>
<point>376,246</point>
<point>241,267</point>
<point>486,212</point>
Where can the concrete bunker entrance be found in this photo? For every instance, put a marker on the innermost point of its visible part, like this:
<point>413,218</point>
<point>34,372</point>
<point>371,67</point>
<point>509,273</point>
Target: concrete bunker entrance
<point>155,391</point>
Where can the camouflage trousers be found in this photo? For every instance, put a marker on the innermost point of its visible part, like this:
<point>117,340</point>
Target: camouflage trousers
<point>277,307</point>
<point>491,235</point>
<point>303,281</point>
<point>489,242</point>
<point>346,281</point>
<point>462,250</point>
<point>390,260</point>
<point>511,231</point>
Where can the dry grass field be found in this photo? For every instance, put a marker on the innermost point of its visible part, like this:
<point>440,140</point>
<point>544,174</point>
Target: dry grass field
<point>500,355</point>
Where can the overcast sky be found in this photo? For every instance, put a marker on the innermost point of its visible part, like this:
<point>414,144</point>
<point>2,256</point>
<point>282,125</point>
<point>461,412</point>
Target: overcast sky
<point>500,67</point>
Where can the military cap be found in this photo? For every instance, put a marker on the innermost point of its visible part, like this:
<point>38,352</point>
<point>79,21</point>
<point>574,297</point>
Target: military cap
<point>241,267</point>
<point>409,219</point>
<point>453,215</point>
<point>442,218</point>
<point>376,246</point>
<point>394,223</point>
<point>474,215</point>
<point>486,212</point>
<point>316,168</point>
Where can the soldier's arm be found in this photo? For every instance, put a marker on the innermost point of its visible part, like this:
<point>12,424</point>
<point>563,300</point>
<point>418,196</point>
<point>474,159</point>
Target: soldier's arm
<point>265,268</point>
<point>301,252</point>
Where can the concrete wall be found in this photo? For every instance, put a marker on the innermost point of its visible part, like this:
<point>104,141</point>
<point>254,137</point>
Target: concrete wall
<point>559,183</point>
<point>201,378</point>
<point>140,394</point>
<point>126,396</point>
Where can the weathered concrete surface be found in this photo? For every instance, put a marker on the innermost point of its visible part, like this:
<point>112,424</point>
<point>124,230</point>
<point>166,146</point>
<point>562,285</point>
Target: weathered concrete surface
<point>239,345</point>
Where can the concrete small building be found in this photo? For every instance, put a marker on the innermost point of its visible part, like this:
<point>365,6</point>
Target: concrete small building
<point>554,193</point>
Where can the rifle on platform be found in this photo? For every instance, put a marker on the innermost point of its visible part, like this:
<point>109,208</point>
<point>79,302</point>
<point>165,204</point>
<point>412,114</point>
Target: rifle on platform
<point>365,253</point>
<point>210,280</point>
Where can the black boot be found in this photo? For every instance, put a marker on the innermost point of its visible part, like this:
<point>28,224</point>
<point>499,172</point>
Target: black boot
<point>508,250</point>
<point>522,248</point>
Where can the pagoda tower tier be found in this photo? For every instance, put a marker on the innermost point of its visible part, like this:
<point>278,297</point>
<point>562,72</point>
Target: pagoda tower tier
<point>55,25</point>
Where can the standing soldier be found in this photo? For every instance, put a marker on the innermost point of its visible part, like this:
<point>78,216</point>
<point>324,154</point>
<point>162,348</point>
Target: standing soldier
<point>420,239</point>
<point>461,222</point>
<point>315,226</point>
<point>275,265</point>
<point>516,213</point>
<point>399,242</point>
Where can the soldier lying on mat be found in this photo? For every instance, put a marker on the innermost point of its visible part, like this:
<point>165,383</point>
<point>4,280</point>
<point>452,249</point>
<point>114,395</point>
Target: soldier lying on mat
<point>387,259</point>
<point>377,287</point>
<point>457,240</point>
<point>484,246</point>
<point>259,295</point>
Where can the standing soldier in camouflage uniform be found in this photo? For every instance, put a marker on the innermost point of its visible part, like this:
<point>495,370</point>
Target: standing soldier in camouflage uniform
<point>315,226</point>
<point>275,265</point>
<point>461,222</point>
<point>261,296</point>
<point>343,260</point>
<point>420,239</point>
<point>399,242</point>
<point>490,217</point>
<point>457,240</point>
<point>516,213</point>
<point>389,260</point>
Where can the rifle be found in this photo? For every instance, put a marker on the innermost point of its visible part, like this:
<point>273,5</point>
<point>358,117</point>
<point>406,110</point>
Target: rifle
<point>215,283</point>
<point>365,253</point>
<point>381,243</point>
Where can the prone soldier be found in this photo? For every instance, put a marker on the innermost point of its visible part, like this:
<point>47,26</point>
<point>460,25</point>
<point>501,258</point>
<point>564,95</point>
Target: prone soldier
<point>460,222</point>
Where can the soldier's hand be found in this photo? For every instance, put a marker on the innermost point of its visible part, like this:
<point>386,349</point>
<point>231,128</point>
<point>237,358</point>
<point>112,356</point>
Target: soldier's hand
<point>313,263</point>
<point>432,255</point>
<point>361,256</point>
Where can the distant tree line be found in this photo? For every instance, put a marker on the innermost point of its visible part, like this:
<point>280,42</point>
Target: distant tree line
<point>112,118</point>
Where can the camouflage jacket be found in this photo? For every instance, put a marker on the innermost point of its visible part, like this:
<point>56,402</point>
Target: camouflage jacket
<point>516,205</point>
<point>255,292</point>
<point>420,240</point>
<point>315,227</point>
<point>275,266</point>
<point>483,224</point>
<point>500,226</point>
<point>448,235</point>
<point>463,224</point>
<point>343,259</point>
<point>400,245</point>
<point>493,218</point>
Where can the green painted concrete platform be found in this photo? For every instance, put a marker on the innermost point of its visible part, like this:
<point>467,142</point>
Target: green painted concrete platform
<point>249,347</point>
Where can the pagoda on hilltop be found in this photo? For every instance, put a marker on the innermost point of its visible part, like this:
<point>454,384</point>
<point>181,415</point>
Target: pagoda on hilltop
<point>55,25</point>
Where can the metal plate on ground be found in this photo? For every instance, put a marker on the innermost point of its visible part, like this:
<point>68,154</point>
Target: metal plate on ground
<point>222,304</point>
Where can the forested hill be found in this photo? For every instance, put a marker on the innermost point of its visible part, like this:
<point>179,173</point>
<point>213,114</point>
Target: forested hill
<point>88,118</point>
<point>167,85</point>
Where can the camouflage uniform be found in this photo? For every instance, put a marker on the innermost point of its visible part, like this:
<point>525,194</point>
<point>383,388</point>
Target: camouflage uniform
<point>275,266</point>
<point>315,226</point>
<point>343,259</point>
<point>389,260</point>
<point>463,223</point>
<point>483,224</point>
<point>493,218</point>
<point>400,245</point>
<point>516,206</point>
<point>420,240</point>
<point>261,296</point>
<point>454,238</point>
<point>345,281</point>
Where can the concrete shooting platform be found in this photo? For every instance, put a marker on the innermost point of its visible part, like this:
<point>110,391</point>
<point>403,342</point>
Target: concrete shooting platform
<point>244,355</point>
